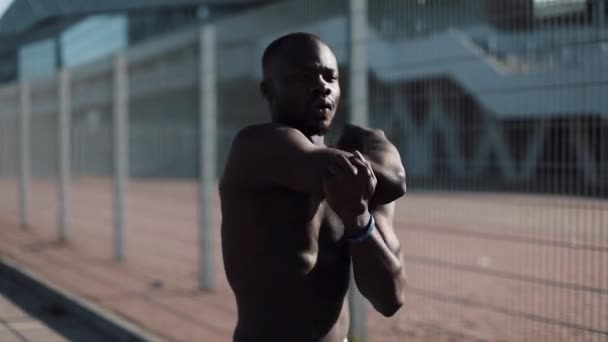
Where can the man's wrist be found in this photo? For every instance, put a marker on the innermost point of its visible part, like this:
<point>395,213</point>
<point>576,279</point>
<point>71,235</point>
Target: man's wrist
<point>356,223</point>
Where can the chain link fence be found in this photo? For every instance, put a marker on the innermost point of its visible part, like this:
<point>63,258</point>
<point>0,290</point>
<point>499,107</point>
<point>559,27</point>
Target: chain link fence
<point>498,108</point>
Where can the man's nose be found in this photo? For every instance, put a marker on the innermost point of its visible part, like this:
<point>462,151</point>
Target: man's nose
<point>320,87</point>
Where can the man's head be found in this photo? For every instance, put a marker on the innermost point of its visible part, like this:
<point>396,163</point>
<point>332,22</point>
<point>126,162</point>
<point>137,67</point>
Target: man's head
<point>301,82</point>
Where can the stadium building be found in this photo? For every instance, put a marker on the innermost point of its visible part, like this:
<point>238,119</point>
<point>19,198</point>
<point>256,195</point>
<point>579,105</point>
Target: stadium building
<point>477,94</point>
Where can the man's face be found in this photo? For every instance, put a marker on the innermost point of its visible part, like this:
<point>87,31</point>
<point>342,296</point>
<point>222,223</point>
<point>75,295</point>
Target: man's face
<point>304,91</point>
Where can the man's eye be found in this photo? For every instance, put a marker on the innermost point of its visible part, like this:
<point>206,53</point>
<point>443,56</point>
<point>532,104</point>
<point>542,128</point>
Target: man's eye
<point>331,77</point>
<point>301,75</point>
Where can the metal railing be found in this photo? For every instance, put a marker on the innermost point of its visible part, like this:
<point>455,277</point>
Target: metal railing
<point>503,134</point>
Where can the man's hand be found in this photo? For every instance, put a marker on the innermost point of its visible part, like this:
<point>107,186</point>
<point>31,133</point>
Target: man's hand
<point>383,157</point>
<point>348,193</point>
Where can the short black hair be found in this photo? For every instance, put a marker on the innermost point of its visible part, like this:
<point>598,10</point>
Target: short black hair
<point>275,48</point>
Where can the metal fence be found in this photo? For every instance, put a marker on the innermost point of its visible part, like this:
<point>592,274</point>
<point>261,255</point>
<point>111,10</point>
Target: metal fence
<point>499,109</point>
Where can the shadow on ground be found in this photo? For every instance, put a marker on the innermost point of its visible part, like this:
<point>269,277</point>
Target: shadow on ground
<point>50,312</point>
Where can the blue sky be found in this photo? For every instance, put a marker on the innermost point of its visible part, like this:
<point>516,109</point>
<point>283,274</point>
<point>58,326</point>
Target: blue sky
<point>3,6</point>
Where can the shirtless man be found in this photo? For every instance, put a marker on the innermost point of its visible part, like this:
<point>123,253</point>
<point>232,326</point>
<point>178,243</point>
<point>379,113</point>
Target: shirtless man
<point>296,213</point>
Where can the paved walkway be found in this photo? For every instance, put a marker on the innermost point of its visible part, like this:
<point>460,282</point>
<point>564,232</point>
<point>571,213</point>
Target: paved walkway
<point>25,317</point>
<point>480,266</point>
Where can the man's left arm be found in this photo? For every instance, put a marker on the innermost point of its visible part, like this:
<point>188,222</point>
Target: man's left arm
<point>378,262</point>
<point>383,157</point>
<point>375,251</point>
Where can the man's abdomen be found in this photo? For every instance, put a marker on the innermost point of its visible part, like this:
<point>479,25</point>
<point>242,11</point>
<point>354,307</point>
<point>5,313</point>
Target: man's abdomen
<point>288,318</point>
<point>285,301</point>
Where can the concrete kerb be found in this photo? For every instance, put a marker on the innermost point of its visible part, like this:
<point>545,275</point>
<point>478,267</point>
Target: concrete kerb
<point>117,328</point>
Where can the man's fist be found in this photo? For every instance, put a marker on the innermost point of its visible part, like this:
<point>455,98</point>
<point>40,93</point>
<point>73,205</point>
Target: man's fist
<point>382,156</point>
<point>348,193</point>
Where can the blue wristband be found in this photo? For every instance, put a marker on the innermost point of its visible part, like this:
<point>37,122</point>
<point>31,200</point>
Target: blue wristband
<point>362,236</point>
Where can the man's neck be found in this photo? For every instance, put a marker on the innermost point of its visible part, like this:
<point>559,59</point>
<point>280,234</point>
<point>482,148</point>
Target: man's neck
<point>318,140</point>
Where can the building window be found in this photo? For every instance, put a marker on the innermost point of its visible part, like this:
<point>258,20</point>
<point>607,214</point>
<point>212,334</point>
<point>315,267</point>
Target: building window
<point>515,15</point>
<point>37,59</point>
<point>92,38</point>
<point>558,8</point>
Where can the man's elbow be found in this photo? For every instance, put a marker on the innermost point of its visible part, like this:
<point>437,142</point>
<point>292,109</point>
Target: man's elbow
<point>390,308</point>
<point>401,186</point>
<point>397,187</point>
<point>397,181</point>
<point>389,190</point>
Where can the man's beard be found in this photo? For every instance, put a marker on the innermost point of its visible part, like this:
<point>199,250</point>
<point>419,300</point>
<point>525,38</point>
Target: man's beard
<point>307,127</point>
<point>311,127</point>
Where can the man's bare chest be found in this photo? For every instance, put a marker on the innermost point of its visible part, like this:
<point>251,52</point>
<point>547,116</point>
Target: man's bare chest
<point>304,230</point>
<point>311,214</point>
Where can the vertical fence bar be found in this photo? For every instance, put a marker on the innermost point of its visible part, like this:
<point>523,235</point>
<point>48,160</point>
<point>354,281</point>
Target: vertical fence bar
<point>63,136</point>
<point>24,151</point>
<point>121,151</point>
<point>358,115</point>
<point>358,97</point>
<point>600,14</point>
<point>208,155</point>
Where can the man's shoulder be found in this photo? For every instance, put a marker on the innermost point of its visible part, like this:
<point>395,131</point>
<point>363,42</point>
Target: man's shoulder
<point>257,128</point>
<point>266,135</point>
<point>358,135</point>
<point>371,142</point>
<point>264,129</point>
<point>255,148</point>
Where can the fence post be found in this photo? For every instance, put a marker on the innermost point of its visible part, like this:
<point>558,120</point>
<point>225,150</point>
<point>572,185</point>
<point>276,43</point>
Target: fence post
<point>600,13</point>
<point>63,128</point>
<point>121,151</point>
<point>358,95</point>
<point>358,115</point>
<point>208,155</point>
<point>24,151</point>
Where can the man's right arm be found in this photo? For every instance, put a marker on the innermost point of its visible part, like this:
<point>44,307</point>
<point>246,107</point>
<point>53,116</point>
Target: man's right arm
<point>281,155</point>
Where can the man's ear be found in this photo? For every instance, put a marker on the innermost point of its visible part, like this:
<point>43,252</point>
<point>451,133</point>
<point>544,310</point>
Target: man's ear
<point>266,90</point>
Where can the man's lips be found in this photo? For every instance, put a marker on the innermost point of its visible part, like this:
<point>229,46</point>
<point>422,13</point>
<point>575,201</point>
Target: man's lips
<point>324,105</point>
